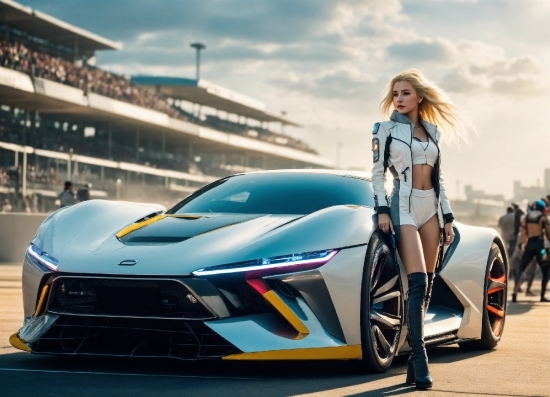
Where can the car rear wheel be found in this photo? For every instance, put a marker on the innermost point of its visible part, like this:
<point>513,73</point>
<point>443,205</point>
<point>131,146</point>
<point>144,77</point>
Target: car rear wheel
<point>381,306</point>
<point>494,302</point>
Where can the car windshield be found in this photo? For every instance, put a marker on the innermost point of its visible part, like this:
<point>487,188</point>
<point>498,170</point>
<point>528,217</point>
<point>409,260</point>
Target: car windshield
<point>277,193</point>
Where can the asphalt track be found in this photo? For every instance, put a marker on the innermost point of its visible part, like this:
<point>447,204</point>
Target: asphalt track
<point>519,366</point>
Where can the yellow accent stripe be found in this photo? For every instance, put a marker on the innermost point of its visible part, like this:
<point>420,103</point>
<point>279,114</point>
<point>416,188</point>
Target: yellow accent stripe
<point>315,353</point>
<point>139,225</point>
<point>42,301</point>
<point>287,313</point>
<point>19,343</point>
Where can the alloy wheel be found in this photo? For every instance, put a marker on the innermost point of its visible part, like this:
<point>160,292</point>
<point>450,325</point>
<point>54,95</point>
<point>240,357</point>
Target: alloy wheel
<point>386,309</point>
<point>496,295</point>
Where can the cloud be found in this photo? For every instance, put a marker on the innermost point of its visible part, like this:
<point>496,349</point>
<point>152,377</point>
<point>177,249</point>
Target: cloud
<point>258,20</point>
<point>459,81</point>
<point>340,84</point>
<point>478,67</point>
<point>509,67</point>
<point>422,50</point>
<point>519,86</point>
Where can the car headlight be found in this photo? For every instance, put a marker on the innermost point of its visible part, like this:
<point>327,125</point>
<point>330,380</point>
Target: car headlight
<point>276,264</point>
<point>43,258</point>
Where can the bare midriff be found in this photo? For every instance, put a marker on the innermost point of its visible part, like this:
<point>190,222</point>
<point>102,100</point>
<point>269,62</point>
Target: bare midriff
<point>422,177</point>
<point>534,230</point>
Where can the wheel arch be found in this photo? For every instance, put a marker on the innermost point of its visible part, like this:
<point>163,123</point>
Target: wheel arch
<point>465,275</point>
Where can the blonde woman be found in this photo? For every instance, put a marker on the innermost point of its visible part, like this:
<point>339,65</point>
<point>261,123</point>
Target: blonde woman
<point>408,145</point>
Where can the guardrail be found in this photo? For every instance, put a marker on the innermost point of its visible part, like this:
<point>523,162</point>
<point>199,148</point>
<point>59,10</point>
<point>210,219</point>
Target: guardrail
<point>16,232</point>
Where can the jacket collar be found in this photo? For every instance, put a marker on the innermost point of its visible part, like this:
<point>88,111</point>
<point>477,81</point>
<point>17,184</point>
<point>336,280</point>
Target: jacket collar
<point>401,118</point>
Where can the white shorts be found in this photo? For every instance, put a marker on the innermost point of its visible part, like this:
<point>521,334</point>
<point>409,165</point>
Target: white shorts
<point>423,207</point>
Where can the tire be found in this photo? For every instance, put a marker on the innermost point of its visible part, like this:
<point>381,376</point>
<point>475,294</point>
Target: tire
<point>381,306</point>
<point>494,302</point>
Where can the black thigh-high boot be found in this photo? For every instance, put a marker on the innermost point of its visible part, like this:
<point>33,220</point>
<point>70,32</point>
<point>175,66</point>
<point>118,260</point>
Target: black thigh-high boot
<point>428,296</point>
<point>427,300</point>
<point>417,373</point>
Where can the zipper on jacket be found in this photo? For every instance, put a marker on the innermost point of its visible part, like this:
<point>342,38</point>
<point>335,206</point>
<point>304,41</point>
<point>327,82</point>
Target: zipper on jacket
<point>404,173</point>
<point>410,147</point>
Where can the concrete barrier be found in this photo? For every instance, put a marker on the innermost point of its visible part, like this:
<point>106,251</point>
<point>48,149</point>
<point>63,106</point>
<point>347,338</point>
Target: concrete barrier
<point>16,232</point>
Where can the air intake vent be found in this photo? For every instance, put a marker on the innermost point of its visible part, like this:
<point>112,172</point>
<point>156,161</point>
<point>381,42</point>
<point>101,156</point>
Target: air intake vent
<point>130,337</point>
<point>125,298</point>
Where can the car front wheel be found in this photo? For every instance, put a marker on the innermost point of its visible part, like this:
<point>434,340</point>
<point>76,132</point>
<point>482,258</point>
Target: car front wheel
<point>381,306</point>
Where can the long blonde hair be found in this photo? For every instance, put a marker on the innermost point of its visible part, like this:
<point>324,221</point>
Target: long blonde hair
<point>435,108</point>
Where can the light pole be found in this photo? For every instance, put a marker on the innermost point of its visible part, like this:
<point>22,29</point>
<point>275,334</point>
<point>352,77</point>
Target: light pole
<point>198,47</point>
<point>338,146</point>
<point>283,114</point>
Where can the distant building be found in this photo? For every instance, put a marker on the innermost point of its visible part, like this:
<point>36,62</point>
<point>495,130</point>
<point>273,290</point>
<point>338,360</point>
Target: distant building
<point>472,194</point>
<point>479,208</point>
<point>531,193</point>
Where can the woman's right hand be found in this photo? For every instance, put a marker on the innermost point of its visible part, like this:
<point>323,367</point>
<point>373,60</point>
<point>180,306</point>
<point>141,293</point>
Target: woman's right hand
<point>384,223</point>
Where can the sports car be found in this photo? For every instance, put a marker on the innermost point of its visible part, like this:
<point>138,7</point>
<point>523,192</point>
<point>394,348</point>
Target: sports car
<point>273,265</point>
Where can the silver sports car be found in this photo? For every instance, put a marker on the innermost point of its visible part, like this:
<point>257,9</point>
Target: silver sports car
<point>275,265</point>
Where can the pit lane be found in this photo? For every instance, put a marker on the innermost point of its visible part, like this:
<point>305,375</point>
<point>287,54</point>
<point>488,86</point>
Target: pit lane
<point>519,366</point>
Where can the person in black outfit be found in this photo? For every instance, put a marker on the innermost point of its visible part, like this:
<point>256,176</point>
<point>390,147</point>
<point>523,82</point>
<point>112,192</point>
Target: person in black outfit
<point>83,194</point>
<point>518,213</point>
<point>536,226</point>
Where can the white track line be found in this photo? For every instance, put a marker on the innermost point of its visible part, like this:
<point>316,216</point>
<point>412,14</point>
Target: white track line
<point>124,374</point>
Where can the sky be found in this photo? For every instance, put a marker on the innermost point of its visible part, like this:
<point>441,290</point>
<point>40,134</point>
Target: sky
<point>327,62</point>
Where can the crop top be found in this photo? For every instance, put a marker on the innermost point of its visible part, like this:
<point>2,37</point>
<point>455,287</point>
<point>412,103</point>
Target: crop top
<point>423,152</point>
<point>534,217</point>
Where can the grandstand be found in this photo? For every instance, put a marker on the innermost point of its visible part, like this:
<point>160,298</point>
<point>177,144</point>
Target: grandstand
<point>147,138</point>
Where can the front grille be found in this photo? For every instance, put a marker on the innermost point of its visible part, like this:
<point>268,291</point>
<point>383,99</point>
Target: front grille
<point>131,337</point>
<point>125,298</point>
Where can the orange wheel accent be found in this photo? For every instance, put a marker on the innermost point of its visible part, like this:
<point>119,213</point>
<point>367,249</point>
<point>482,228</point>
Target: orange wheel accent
<point>493,290</point>
<point>498,312</point>
<point>501,279</point>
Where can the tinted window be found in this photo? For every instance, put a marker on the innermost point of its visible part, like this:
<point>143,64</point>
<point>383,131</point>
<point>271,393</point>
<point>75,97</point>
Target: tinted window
<point>284,193</point>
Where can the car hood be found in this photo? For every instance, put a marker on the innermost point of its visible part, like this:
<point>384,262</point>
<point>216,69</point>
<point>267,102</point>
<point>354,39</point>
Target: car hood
<point>85,241</point>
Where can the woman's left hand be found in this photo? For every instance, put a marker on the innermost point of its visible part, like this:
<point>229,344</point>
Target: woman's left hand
<point>449,233</point>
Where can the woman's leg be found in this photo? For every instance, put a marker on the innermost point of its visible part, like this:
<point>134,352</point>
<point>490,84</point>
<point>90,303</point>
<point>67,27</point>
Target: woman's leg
<point>429,238</point>
<point>410,250</point>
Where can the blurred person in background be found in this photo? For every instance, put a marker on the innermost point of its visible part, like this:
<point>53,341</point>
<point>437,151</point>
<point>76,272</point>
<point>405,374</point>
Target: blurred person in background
<point>83,193</point>
<point>506,223</point>
<point>66,197</point>
<point>27,204</point>
<point>517,252</point>
<point>536,226</point>
<point>6,206</point>
<point>517,225</point>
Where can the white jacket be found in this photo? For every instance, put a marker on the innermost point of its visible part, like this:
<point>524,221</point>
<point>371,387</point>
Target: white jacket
<point>391,146</point>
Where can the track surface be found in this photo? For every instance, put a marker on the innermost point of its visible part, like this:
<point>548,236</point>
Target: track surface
<point>519,366</point>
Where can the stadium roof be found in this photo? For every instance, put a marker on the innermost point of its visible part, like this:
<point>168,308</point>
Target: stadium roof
<point>209,94</point>
<point>46,27</point>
